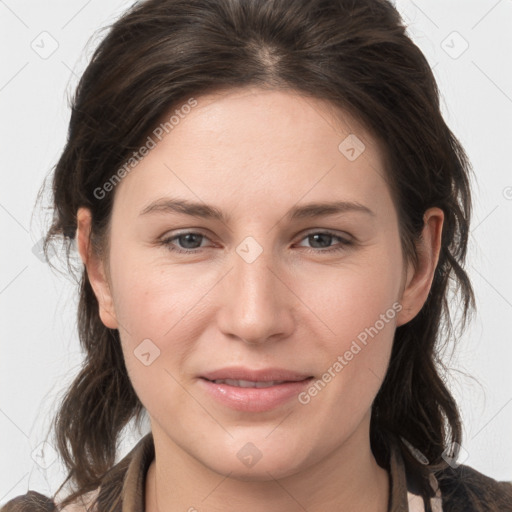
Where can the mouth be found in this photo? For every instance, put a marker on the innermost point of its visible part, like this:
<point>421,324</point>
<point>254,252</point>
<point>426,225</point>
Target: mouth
<point>240,374</point>
<point>250,383</point>
<point>248,390</point>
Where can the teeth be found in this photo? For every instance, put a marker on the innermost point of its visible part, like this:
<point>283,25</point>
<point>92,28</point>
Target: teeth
<point>248,383</point>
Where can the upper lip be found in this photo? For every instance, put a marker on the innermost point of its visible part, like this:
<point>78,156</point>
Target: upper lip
<point>262,375</point>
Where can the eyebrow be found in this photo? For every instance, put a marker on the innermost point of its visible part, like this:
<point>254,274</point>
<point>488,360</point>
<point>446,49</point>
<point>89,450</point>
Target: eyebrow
<point>203,210</point>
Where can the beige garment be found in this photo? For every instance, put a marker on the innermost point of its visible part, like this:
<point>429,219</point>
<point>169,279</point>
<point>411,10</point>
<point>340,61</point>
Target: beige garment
<point>141,456</point>
<point>416,503</point>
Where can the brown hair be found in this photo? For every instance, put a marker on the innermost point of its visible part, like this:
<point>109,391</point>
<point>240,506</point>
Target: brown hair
<point>354,54</point>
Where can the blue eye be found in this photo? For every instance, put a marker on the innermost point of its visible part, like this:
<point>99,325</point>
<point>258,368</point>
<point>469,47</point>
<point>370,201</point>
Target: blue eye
<point>191,238</point>
<point>327,235</point>
<point>188,237</point>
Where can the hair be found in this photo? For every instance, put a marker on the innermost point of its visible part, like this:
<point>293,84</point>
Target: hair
<point>357,56</point>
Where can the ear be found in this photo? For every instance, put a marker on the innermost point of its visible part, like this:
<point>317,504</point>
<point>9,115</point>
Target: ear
<point>418,281</point>
<point>95,269</point>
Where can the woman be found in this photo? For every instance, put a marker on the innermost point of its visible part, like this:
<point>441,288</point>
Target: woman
<point>276,375</point>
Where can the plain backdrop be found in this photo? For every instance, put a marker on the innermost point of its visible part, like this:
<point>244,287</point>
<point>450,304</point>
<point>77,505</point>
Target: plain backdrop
<point>46,46</point>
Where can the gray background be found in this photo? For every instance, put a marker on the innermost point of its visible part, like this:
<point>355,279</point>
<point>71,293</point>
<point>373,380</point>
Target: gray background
<point>45,47</point>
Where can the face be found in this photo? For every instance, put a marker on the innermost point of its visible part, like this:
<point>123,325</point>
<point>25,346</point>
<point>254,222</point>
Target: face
<point>266,288</point>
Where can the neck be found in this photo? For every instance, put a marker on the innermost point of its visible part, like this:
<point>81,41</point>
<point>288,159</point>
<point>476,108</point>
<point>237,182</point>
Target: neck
<point>349,480</point>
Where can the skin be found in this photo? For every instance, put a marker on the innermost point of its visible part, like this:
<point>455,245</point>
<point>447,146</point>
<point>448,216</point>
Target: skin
<point>255,154</point>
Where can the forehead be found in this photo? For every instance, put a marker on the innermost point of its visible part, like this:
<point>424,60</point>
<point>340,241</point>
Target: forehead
<point>256,145</point>
<point>274,118</point>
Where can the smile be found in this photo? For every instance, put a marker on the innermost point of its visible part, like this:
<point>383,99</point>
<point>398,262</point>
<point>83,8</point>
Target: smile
<point>248,383</point>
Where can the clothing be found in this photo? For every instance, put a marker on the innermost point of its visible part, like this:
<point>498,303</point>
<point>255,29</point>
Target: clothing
<point>123,488</point>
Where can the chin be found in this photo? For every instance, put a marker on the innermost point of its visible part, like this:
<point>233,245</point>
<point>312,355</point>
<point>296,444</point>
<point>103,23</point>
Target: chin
<point>261,468</point>
<point>258,473</point>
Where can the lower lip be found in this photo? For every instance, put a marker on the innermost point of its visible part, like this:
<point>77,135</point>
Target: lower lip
<point>254,399</point>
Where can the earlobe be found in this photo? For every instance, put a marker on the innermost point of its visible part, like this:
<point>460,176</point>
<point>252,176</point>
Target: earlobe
<point>418,280</point>
<point>95,269</point>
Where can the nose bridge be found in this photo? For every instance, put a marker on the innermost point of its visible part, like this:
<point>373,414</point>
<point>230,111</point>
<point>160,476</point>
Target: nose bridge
<point>255,306</point>
<point>255,283</point>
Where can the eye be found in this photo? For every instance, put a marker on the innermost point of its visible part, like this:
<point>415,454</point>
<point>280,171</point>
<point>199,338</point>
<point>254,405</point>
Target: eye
<point>191,242</point>
<point>189,239</point>
<point>323,238</point>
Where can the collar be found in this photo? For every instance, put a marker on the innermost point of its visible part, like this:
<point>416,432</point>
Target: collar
<point>135,464</point>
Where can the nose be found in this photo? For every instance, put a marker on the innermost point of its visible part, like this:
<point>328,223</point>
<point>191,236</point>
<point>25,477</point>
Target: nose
<point>258,304</point>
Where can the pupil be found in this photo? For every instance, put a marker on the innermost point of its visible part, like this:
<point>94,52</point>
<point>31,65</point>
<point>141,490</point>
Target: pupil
<point>187,237</point>
<point>326,238</point>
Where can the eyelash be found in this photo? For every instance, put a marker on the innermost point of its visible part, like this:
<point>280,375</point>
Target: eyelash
<point>167,242</point>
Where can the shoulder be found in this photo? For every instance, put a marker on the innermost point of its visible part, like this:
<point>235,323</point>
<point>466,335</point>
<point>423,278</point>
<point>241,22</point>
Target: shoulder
<point>466,489</point>
<point>109,494</point>
<point>33,501</point>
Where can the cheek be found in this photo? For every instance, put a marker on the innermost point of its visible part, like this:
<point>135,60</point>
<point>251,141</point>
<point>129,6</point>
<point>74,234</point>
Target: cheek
<point>160,313</point>
<point>359,314</point>
<point>151,298</point>
<point>349,299</point>
<point>354,364</point>
<point>358,306</point>
<point>154,335</point>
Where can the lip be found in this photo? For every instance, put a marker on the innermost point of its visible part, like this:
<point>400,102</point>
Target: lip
<point>261,375</point>
<point>254,399</point>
